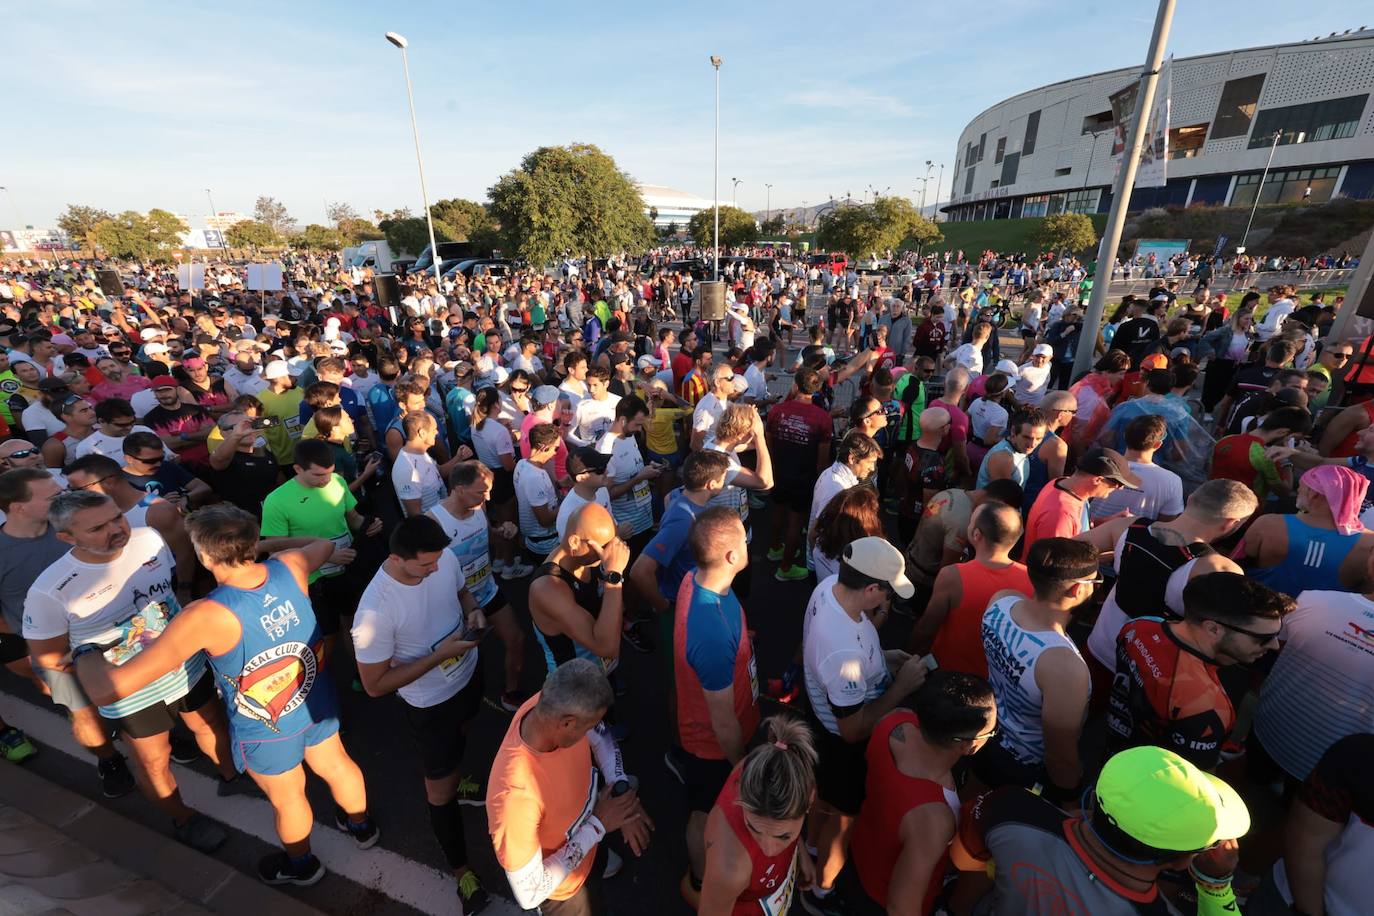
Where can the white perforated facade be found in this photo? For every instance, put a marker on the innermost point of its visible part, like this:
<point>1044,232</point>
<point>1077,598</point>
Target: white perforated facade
<point>1049,149</point>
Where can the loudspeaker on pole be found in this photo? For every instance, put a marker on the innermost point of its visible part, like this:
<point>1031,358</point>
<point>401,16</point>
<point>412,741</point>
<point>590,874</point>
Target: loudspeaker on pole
<point>712,297</point>
<point>110,284</point>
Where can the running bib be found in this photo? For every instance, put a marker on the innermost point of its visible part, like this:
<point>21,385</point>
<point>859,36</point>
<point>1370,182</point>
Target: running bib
<point>138,632</point>
<point>776,903</point>
<point>452,668</point>
<point>344,541</point>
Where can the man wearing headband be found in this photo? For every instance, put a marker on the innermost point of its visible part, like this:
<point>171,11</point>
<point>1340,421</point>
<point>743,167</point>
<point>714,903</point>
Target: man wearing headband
<point>1150,811</point>
<point>1323,547</point>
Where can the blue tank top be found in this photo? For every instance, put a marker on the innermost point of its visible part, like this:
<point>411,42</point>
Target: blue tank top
<point>272,682</point>
<point>1313,561</point>
<point>1037,475</point>
<point>1020,464</point>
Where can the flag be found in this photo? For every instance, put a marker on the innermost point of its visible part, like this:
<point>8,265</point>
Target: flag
<point>1154,147</point>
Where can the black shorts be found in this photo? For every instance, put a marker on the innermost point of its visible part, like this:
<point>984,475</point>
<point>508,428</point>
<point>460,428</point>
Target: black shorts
<point>438,730</point>
<point>794,495</point>
<point>705,779</point>
<point>1028,334</point>
<point>333,597</point>
<point>13,647</point>
<point>840,771</point>
<point>498,600</point>
<point>995,767</point>
<point>161,717</point>
<point>502,486</point>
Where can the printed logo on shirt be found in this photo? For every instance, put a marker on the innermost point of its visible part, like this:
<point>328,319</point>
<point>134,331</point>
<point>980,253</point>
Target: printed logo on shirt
<point>275,682</point>
<point>281,618</point>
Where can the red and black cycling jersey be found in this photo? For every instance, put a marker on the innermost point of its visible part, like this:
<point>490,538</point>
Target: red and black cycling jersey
<point>1167,694</point>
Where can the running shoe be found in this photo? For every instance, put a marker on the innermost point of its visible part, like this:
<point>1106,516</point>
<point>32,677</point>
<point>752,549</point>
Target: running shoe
<point>279,868</point>
<point>674,760</point>
<point>791,573</point>
<point>639,640</point>
<point>471,792</point>
<point>15,746</point>
<point>832,904</point>
<point>115,779</point>
<point>613,864</point>
<point>239,785</point>
<point>472,896</point>
<point>515,571</point>
<point>365,834</point>
<point>775,554</point>
<point>201,834</point>
<point>184,747</point>
<point>512,700</point>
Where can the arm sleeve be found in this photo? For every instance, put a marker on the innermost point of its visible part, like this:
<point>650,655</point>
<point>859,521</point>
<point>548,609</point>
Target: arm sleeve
<point>607,754</point>
<point>843,692</point>
<point>515,836</point>
<point>405,481</point>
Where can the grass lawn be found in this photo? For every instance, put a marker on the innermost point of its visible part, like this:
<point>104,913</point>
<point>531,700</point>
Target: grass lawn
<point>998,234</point>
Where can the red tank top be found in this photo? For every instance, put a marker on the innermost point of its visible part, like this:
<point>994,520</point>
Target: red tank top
<point>772,879</point>
<point>874,846</point>
<point>695,732</point>
<point>1347,446</point>
<point>958,645</point>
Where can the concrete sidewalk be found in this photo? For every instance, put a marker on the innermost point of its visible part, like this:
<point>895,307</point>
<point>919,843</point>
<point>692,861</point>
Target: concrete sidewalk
<point>61,853</point>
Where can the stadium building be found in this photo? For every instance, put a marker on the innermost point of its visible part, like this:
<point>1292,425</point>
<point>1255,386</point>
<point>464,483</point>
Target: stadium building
<point>671,207</point>
<point>1049,150</point>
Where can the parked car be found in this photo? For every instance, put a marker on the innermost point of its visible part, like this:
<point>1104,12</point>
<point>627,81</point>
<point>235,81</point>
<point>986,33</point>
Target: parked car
<point>835,263</point>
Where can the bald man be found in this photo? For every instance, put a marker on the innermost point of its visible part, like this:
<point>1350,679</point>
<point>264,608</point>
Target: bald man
<point>924,472</point>
<point>21,453</point>
<point>570,619</point>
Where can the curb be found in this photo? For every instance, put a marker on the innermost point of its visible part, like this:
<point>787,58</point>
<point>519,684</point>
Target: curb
<point>196,877</point>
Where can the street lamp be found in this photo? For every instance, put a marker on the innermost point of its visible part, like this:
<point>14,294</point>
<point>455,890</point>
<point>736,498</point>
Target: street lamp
<point>9,195</point>
<point>939,182</point>
<point>715,175</point>
<point>223,244</point>
<point>734,190</point>
<point>400,42</point>
<point>1259,192</point>
<point>930,167</point>
<point>769,207</point>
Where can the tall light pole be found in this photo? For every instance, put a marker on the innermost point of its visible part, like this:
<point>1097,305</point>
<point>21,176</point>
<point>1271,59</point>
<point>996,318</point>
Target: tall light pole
<point>400,42</point>
<point>9,195</point>
<point>1259,192</point>
<point>734,190</point>
<point>1125,180</point>
<point>930,167</point>
<point>768,209</point>
<point>939,183</point>
<point>214,214</point>
<point>715,259</point>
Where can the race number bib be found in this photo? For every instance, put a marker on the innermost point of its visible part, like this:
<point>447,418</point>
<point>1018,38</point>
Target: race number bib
<point>451,668</point>
<point>344,541</point>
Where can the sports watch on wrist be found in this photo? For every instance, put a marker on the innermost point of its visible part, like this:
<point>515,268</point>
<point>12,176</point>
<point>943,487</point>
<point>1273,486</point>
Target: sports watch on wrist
<point>613,578</point>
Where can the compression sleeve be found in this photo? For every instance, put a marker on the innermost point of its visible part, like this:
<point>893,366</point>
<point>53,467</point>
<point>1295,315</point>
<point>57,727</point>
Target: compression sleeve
<point>607,754</point>
<point>1216,899</point>
<point>533,882</point>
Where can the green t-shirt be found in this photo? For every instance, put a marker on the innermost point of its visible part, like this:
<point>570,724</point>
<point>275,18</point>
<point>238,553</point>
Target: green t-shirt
<point>287,408</point>
<point>294,510</point>
<point>538,316</point>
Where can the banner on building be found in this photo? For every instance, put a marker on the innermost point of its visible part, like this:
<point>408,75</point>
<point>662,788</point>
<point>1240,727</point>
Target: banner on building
<point>1154,146</point>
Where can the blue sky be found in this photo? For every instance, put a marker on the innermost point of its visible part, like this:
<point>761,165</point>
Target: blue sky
<point>137,105</point>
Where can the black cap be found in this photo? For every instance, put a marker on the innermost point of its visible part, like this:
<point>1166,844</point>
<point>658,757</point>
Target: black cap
<point>586,459</point>
<point>52,383</point>
<point>1103,462</point>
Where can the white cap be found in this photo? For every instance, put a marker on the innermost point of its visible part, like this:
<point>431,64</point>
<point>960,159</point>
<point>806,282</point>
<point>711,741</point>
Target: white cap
<point>1043,350</point>
<point>877,558</point>
<point>152,334</point>
<point>1008,368</point>
<point>338,346</point>
<point>646,361</point>
<point>154,349</point>
<point>277,368</point>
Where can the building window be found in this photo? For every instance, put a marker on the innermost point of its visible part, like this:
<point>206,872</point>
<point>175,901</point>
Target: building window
<point>1334,119</point>
<point>1035,205</point>
<point>982,145</point>
<point>1066,170</point>
<point>1287,187</point>
<point>1032,129</point>
<point>1082,201</point>
<point>1001,150</point>
<point>995,183</point>
<point>1097,122</point>
<point>968,181</point>
<point>1237,106</point>
<point>968,153</point>
<point>1056,205</point>
<point>1010,165</point>
<point>1186,142</point>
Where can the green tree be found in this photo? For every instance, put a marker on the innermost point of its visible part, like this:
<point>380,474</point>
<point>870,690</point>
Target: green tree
<point>77,221</point>
<point>250,233</point>
<point>669,231</point>
<point>165,230</point>
<point>381,216</point>
<point>411,235</point>
<point>315,237</point>
<point>564,199</point>
<point>773,225</point>
<point>861,229</point>
<point>736,227</point>
<point>271,211</point>
<point>1065,232</point>
<point>339,213</point>
<point>128,235</point>
<point>357,230</point>
<point>462,219</point>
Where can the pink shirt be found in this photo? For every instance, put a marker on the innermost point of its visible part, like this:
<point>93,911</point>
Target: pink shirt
<point>123,390</point>
<point>560,457</point>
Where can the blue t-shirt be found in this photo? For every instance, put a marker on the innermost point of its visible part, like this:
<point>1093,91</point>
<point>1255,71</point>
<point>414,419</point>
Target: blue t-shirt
<point>669,547</point>
<point>1360,465</point>
<point>381,403</point>
<point>458,405</point>
<point>348,400</point>
<point>713,633</point>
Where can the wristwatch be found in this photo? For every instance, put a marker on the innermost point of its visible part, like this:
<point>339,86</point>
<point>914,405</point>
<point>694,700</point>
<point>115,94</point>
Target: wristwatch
<point>612,578</point>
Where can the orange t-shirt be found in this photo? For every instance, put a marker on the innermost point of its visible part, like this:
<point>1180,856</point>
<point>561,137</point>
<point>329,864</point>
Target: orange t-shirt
<point>1057,513</point>
<point>535,801</point>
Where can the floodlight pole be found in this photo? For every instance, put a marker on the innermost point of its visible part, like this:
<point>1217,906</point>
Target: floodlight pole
<point>400,42</point>
<point>715,258</point>
<point>1121,198</point>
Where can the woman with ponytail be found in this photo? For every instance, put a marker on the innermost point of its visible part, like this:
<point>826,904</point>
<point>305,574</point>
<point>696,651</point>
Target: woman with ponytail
<point>752,857</point>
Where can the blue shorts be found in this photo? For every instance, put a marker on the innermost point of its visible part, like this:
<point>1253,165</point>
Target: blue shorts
<point>282,753</point>
<point>673,460</point>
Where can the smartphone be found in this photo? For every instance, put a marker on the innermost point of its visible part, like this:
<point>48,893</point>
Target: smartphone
<point>476,635</point>
<point>264,422</point>
<point>930,662</point>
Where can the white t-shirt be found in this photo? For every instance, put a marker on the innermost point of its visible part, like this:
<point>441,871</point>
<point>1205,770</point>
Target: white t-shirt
<point>534,488</point>
<point>126,602</point>
<point>1031,384</point>
<point>491,442</point>
<point>970,357</point>
<point>361,386</point>
<point>833,479</point>
<point>416,476</point>
<point>707,412</point>
<point>111,446</point>
<point>591,419</point>
<point>844,661</point>
<point>36,416</point>
<point>569,390</point>
<point>244,382</point>
<point>1160,493</point>
<point>574,501</point>
<point>405,622</point>
<point>984,415</point>
<point>635,508</point>
<point>758,383</point>
<point>1102,640</point>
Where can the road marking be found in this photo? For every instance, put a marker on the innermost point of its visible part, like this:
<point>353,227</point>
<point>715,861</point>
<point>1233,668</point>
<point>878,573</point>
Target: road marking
<point>403,880</point>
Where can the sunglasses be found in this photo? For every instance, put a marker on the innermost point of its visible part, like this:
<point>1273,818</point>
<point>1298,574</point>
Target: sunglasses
<point>93,484</point>
<point>156,459</point>
<point>23,453</point>
<point>1261,638</point>
<point>983,737</point>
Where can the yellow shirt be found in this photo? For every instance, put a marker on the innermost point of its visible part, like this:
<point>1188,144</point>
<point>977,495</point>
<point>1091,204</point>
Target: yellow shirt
<point>659,434</point>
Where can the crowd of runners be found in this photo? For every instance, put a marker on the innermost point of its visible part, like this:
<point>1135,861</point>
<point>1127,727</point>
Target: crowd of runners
<point>1094,645</point>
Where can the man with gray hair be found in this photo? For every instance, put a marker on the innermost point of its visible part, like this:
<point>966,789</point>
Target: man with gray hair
<point>898,324</point>
<point>115,592</point>
<point>558,784</point>
<point>1154,562</point>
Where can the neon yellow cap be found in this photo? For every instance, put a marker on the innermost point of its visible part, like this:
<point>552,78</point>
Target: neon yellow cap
<point>1165,802</point>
